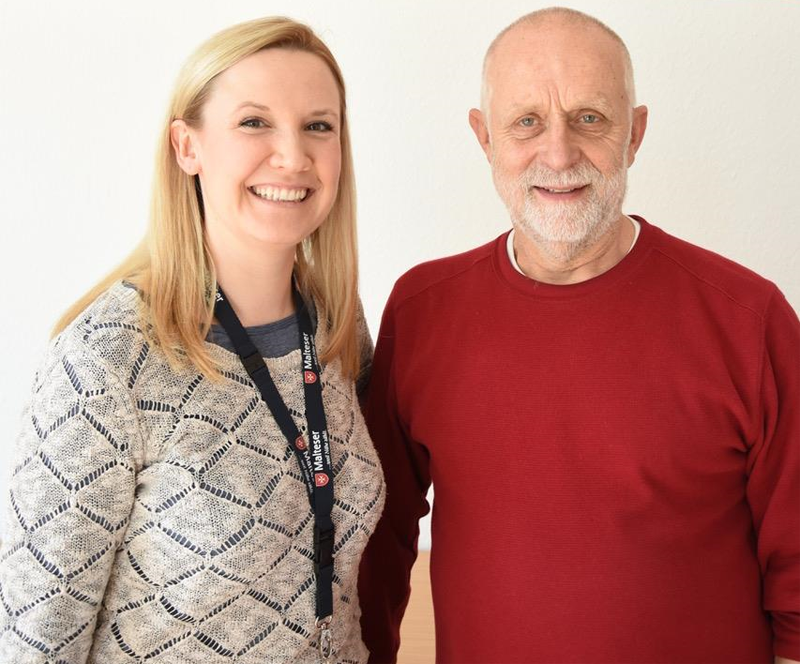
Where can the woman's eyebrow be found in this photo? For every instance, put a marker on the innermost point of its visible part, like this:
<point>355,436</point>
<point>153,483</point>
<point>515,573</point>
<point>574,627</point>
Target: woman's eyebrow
<point>253,104</point>
<point>325,111</point>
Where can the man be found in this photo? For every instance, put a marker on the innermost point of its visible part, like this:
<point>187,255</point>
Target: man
<point>610,416</point>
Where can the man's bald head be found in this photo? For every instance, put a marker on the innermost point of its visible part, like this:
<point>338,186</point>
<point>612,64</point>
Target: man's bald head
<point>547,20</point>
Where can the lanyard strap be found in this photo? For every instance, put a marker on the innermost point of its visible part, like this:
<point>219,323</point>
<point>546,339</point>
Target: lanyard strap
<point>314,458</point>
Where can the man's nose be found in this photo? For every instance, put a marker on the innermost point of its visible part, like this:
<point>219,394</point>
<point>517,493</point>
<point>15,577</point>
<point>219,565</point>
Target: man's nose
<point>289,152</point>
<point>560,149</point>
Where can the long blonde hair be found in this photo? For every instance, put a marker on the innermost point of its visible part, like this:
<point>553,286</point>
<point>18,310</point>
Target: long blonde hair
<point>172,266</point>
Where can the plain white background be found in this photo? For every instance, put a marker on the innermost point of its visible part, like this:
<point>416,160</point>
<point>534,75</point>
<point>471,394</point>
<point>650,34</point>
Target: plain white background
<point>84,87</point>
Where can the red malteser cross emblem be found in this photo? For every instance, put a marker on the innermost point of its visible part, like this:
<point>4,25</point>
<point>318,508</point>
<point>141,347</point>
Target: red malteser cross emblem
<point>310,377</point>
<point>300,444</point>
<point>321,479</point>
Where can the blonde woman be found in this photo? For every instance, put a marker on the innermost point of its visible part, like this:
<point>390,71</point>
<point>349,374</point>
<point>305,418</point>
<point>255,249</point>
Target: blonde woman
<point>194,483</point>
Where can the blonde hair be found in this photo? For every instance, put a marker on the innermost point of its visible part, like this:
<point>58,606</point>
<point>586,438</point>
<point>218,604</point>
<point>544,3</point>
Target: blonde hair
<point>172,266</point>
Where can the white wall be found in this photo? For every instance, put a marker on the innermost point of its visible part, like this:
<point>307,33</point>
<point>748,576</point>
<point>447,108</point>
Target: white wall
<point>83,86</point>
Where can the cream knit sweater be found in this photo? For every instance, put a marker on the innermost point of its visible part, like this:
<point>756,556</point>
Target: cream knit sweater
<point>155,516</point>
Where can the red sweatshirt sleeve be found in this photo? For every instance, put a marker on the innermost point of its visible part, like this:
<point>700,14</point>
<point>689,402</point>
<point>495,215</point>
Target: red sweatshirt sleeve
<point>773,488</point>
<point>386,564</point>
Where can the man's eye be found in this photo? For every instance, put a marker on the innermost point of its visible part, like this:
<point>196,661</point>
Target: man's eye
<point>527,122</point>
<point>252,123</point>
<point>589,118</point>
<point>319,126</point>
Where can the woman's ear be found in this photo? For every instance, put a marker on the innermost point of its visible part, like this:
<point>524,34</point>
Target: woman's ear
<point>182,139</point>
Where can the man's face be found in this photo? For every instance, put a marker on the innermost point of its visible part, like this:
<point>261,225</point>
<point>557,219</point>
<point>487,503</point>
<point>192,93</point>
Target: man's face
<point>560,132</point>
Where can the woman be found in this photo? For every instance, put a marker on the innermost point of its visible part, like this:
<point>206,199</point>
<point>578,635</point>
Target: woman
<point>173,501</point>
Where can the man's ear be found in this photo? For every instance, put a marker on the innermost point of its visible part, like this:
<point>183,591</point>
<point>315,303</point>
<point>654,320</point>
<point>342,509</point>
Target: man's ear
<point>183,144</point>
<point>477,121</point>
<point>638,126</point>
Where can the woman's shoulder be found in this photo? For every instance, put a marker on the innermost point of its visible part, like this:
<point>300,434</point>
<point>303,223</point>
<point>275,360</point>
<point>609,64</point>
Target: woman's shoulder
<point>108,331</point>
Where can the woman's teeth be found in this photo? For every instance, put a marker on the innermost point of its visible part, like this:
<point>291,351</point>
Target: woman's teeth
<point>280,194</point>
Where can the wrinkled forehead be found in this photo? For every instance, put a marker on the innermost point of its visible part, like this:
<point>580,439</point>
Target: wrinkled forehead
<point>575,63</point>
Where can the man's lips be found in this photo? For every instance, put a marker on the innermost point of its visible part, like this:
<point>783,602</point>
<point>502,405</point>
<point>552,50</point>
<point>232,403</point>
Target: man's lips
<point>560,193</point>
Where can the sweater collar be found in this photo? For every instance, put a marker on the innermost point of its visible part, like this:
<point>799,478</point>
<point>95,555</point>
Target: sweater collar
<point>517,280</point>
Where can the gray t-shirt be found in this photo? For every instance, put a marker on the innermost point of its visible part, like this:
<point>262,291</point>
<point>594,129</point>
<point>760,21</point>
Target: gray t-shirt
<point>277,339</point>
<point>271,339</point>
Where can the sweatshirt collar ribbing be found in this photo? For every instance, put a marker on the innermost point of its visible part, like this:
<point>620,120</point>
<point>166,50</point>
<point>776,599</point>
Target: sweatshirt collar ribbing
<point>621,270</point>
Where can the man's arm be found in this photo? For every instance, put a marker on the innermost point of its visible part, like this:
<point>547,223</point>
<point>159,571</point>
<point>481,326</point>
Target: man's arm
<point>386,565</point>
<point>773,484</point>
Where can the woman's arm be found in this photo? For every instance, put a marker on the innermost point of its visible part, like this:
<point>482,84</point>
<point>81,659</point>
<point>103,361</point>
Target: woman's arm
<point>69,502</point>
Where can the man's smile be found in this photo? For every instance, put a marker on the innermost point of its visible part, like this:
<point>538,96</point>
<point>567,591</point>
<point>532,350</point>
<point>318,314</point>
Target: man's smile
<point>560,193</point>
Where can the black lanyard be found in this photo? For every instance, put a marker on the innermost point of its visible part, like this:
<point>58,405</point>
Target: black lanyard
<point>314,455</point>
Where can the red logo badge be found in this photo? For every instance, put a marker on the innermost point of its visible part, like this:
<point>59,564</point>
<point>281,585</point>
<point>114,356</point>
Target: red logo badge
<point>310,377</point>
<point>300,444</point>
<point>321,479</point>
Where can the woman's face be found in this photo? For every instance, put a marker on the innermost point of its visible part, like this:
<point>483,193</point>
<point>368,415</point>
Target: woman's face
<point>268,149</point>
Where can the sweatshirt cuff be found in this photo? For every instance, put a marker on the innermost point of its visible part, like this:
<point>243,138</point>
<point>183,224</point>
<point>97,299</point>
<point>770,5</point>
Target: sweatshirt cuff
<point>786,628</point>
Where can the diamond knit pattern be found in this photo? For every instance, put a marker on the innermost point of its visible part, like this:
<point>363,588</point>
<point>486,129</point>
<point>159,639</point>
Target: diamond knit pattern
<point>157,516</point>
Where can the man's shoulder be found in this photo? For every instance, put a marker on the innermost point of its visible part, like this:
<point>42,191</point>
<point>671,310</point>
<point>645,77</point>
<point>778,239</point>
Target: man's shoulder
<point>739,283</point>
<point>447,273</point>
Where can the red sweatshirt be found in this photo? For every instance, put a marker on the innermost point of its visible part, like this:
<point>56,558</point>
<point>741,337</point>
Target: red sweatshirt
<point>616,463</point>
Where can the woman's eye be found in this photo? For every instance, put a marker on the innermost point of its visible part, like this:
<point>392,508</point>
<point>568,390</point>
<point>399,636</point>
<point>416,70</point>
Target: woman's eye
<point>319,126</point>
<point>252,123</point>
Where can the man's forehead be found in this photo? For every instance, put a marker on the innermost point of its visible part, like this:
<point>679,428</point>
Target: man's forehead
<point>562,55</point>
<point>523,83</point>
<point>558,52</point>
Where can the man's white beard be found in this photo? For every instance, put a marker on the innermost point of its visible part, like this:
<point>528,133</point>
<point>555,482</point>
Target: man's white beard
<point>563,230</point>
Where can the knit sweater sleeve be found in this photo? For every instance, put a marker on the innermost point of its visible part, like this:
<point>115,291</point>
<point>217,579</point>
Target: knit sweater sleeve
<point>386,564</point>
<point>71,494</point>
<point>773,488</point>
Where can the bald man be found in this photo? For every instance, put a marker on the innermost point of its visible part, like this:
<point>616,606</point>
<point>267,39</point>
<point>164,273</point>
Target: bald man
<point>610,416</point>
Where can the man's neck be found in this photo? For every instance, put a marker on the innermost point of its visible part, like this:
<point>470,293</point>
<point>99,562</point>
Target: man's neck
<point>600,257</point>
<point>257,279</point>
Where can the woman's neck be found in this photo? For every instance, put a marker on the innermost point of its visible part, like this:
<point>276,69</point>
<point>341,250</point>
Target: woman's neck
<point>257,280</point>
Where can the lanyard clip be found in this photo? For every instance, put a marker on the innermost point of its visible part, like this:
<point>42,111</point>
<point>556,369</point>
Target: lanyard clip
<point>323,548</point>
<point>323,570</point>
<point>325,638</point>
<point>253,363</point>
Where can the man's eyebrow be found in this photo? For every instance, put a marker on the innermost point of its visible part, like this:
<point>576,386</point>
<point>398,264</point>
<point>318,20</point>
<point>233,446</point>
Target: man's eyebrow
<point>600,103</point>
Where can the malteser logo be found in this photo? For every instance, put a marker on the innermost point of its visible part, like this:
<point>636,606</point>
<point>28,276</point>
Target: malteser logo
<point>309,377</point>
<point>300,444</point>
<point>321,479</point>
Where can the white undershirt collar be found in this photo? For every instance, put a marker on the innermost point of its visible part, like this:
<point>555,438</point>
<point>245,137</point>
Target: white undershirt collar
<point>637,227</point>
